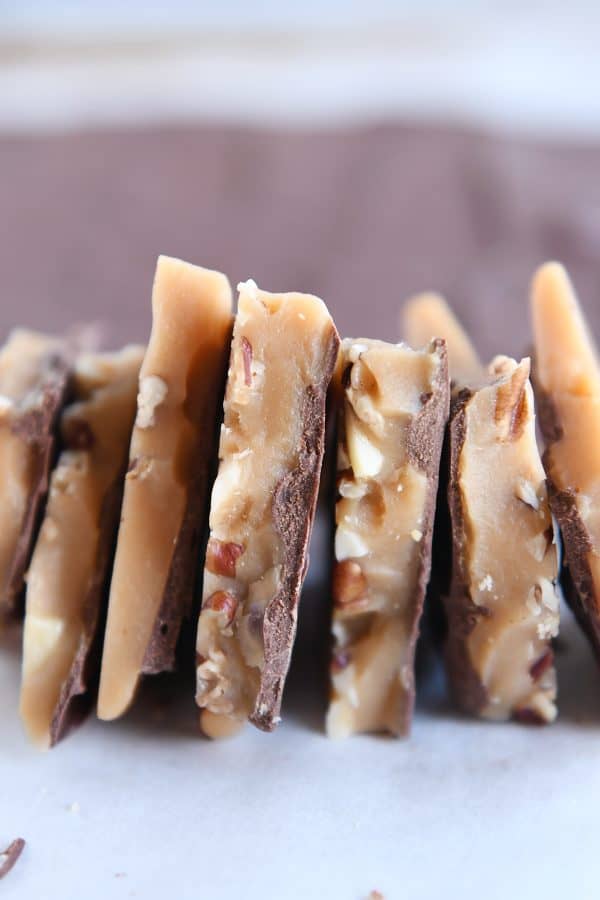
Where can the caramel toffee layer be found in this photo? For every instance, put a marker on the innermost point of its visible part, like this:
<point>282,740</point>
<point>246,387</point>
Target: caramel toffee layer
<point>502,607</point>
<point>567,384</point>
<point>167,480</point>
<point>282,358</point>
<point>390,434</point>
<point>68,572</point>
<point>33,385</point>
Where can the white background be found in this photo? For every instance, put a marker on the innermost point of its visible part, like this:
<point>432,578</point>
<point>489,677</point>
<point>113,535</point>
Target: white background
<point>531,66</point>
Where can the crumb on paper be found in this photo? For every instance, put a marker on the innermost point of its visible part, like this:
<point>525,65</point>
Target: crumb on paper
<point>375,895</point>
<point>10,855</point>
<point>74,808</point>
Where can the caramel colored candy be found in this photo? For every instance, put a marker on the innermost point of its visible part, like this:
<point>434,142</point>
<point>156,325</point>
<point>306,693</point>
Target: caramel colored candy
<point>501,599</point>
<point>169,462</point>
<point>427,316</point>
<point>66,583</point>
<point>33,384</point>
<point>391,429</point>
<point>282,358</point>
<point>567,384</point>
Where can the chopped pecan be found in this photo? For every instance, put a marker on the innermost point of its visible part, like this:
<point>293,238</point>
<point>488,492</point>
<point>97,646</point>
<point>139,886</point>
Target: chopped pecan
<point>349,583</point>
<point>222,556</point>
<point>222,602</point>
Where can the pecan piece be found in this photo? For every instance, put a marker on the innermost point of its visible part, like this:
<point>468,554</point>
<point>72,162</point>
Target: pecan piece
<point>222,602</point>
<point>247,356</point>
<point>222,556</point>
<point>541,665</point>
<point>9,856</point>
<point>349,583</point>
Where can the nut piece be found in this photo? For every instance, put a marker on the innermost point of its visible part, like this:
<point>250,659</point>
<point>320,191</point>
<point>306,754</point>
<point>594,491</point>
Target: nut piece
<point>219,727</point>
<point>247,356</point>
<point>348,543</point>
<point>9,856</point>
<point>153,391</point>
<point>223,602</point>
<point>222,556</point>
<point>366,460</point>
<point>349,583</point>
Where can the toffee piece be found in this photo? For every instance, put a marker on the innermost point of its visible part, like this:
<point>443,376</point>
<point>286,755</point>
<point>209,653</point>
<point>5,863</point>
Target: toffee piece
<point>170,457</point>
<point>502,605</point>
<point>390,434</point>
<point>34,372</point>
<point>282,358</point>
<point>567,385</point>
<point>66,583</point>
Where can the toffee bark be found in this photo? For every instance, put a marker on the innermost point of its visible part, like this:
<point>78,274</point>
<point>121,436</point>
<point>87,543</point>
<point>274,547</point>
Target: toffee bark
<point>391,429</point>
<point>502,605</point>
<point>170,457</point>
<point>567,384</point>
<point>34,373</point>
<point>66,583</point>
<point>282,358</point>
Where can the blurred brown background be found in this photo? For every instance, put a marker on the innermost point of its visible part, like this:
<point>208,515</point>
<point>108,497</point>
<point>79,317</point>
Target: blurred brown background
<point>362,216</point>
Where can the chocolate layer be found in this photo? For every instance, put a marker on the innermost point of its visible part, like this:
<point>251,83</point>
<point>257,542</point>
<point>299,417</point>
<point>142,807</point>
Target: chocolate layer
<point>463,614</point>
<point>294,505</point>
<point>425,442</point>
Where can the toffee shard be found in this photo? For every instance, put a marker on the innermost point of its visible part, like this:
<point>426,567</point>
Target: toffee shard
<point>282,358</point>
<point>34,372</point>
<point>66,583</point>
<point>567,385</point>
<point>170,458</point>
<point>502,603</point>
<point>391,429</point>
<point>503,607</point>
<point>426,316</point>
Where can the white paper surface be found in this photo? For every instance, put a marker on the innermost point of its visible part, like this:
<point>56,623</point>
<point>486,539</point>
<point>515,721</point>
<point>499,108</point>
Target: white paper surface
<point>463,809</point>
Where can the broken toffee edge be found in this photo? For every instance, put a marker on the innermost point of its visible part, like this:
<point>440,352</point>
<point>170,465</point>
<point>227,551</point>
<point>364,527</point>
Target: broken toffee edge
<point>576,575</point>
<point>294,506</point>
<point>78,692</point>
<point>38,428</point>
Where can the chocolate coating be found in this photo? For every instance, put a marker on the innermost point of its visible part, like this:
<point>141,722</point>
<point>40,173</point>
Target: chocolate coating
<point>294,504</point>
<point>462,613</point>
